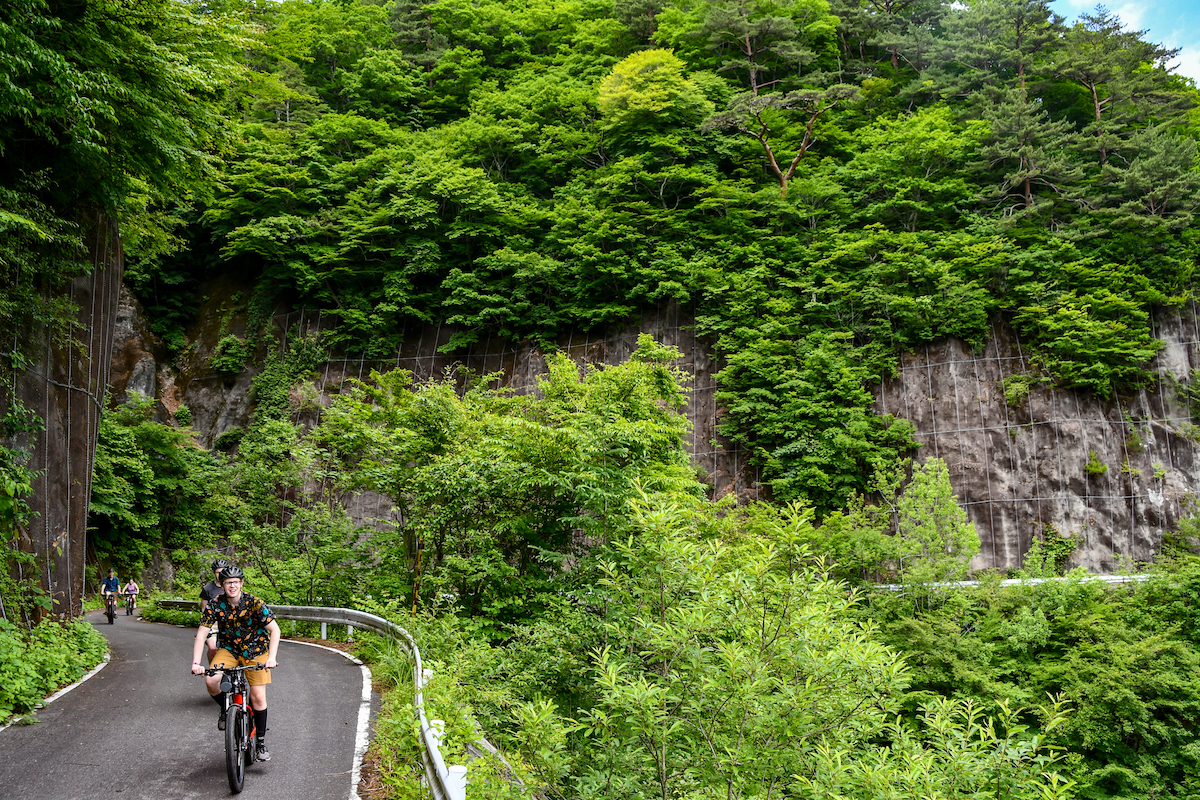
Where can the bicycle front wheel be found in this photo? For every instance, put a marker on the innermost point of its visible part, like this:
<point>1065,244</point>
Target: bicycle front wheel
<point>235,742</point>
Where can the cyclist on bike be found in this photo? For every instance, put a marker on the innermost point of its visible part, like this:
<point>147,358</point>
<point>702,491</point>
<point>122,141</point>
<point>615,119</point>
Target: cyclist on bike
<point>209,592</point>
<point>248,634</point>
<point>110,586</point>
<point>131,590</point>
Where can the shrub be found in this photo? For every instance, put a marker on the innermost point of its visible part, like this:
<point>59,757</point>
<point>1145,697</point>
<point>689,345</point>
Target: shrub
<point>229,356</point>
<point>50,656</point>
<point>153,612</point>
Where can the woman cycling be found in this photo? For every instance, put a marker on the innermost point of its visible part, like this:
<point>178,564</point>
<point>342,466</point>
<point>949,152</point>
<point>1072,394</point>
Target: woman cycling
<point>131,593</point>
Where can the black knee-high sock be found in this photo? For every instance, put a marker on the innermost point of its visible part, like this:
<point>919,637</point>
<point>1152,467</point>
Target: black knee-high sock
<point>260,723</point>
<point>220,698</point>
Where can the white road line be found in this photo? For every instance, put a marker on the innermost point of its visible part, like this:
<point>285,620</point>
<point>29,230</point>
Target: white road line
<point>362,738</point>
<point>103,663</point>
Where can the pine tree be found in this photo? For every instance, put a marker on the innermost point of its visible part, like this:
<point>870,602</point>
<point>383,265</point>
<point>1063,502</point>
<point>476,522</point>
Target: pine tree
<point>1029,148</point>
<point>1125,78</point>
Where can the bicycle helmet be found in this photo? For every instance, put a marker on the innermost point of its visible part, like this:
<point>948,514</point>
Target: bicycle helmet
<point>232,572</point>
<point>220,563</point>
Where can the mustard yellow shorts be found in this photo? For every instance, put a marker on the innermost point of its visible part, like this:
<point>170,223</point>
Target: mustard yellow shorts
<point>254,677</point>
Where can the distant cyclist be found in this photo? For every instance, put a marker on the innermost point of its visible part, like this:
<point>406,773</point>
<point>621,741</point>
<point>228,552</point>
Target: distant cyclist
<point>209,592</point>
<point>248,634</point>
<point>110,585</point>
<point>131,593</point>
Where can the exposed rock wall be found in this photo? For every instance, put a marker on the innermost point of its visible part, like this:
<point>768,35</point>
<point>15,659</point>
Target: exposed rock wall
<point>1021,471</point>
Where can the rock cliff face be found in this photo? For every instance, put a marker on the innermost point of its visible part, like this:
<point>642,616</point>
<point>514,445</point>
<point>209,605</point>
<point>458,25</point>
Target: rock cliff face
<point>1114,474</point>
<point>64,385</point>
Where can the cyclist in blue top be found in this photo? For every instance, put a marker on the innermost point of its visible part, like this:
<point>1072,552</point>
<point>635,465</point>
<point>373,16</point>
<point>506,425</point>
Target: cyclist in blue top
<point>111,585</point>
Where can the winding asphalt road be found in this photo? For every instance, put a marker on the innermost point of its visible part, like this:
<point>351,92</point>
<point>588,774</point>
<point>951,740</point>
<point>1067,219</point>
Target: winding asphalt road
<point>144,727</point>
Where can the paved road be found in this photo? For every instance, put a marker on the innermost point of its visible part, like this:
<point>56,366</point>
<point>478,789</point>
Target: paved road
<point>143,727</point>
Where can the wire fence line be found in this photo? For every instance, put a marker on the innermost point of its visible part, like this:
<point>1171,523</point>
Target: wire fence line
<point>66,385</point>
<point>1113,473</point>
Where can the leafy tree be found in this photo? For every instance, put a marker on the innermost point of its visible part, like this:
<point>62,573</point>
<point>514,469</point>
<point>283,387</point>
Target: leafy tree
<point>1026,147</point>
<point>111,108</point>
<point>753,115</point>
<point>1159,186</point>
<point>934,541</point>
<point>998,43</point>
<point>910,171</point>
<point>645,96</point>
<point>501,488</point>
<point>152,488</point>
<point>737,670</point>
<point>814,430</point>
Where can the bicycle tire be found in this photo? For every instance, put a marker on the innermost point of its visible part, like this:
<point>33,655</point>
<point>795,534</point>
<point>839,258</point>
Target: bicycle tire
<point>235,735</point>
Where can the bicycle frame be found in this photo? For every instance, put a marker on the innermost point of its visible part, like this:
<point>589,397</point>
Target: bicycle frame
<point>239,722</point>
<point>110,607</point>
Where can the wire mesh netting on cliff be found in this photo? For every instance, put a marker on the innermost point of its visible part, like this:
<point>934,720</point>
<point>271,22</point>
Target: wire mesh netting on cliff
<point>66,386</point>
<point>1114,473</point>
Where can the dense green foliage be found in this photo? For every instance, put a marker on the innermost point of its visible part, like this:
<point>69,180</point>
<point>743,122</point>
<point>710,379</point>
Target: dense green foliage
<point>151,489</point>
<point>110,112</point>
<point>1126,660</point>
<point>620,635</point>
<point>109,107</point>
<point>153,612</point>
<point>822,182</point>
<point>36,662</point>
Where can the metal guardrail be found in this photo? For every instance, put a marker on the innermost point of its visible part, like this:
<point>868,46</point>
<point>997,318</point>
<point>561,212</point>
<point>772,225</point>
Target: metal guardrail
<point>445,783</point>
<point>897,587</point>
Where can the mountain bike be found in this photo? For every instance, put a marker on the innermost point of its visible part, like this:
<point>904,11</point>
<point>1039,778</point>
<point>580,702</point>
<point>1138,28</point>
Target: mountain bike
<point>239,723</point>
<point>129,599</point>
<point>110,607</point>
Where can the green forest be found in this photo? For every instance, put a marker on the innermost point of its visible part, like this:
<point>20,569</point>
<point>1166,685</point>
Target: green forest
<point>824,183</point>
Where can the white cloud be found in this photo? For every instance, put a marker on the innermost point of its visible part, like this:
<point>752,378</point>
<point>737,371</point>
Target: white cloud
<point>1131,15</point>
<point>1188,61</point>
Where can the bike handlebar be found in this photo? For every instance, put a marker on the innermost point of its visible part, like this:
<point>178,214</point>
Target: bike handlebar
<point>210,671</point>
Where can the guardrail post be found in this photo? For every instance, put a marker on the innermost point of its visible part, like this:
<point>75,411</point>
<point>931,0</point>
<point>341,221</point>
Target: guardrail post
<point>324,630</point>
<point>349,633</point>
<point>438,728</point>
<point>426,675</point>
<point>456,782</point>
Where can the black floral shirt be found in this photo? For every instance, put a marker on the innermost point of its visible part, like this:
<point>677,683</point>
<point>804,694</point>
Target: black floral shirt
<point>243,628</point>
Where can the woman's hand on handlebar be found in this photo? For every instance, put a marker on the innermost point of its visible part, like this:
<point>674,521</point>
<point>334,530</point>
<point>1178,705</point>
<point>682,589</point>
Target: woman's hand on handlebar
<point>198,669</point>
